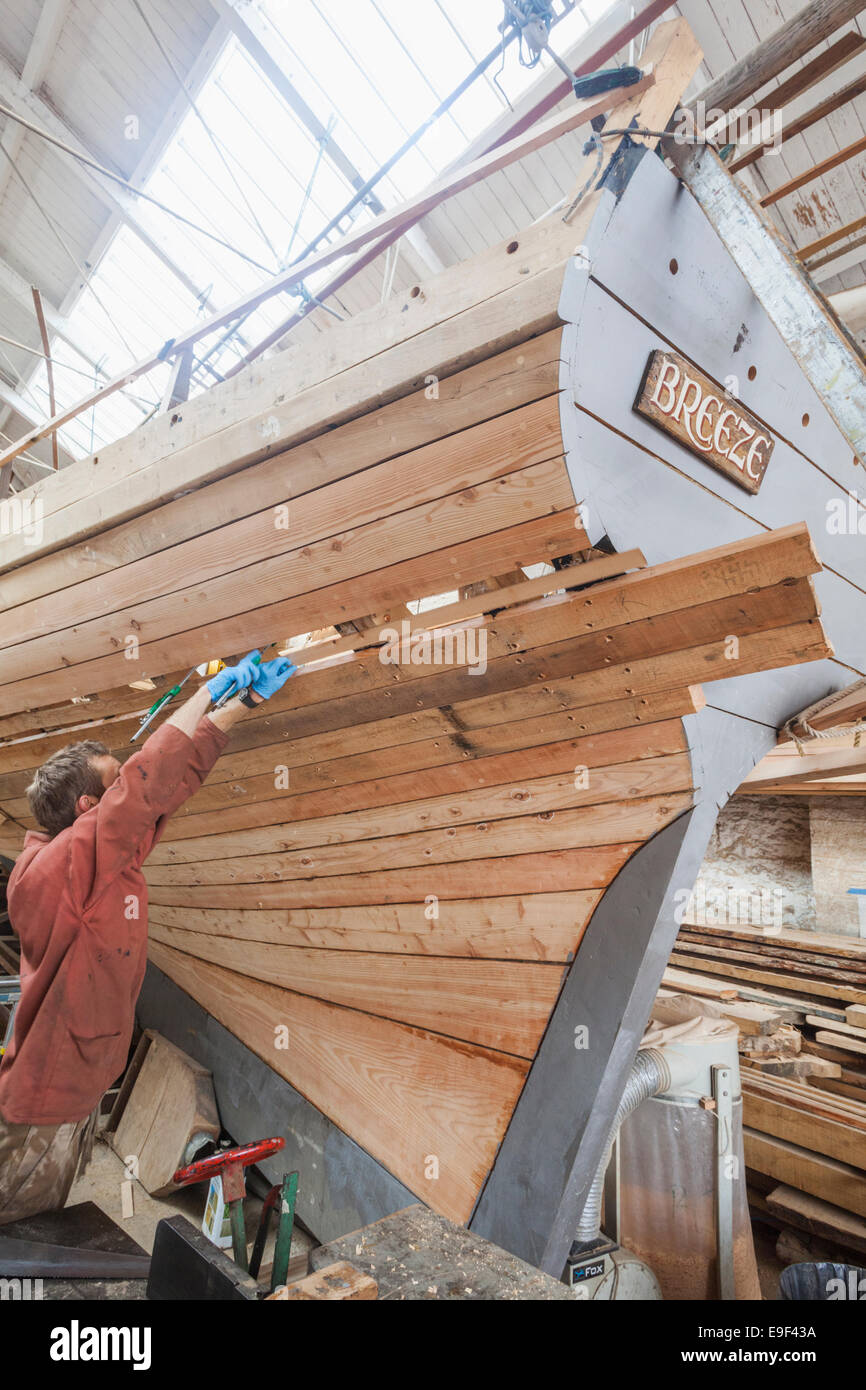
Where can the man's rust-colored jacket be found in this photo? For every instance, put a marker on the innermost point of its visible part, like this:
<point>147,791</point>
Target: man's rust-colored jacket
<point>78,903</point>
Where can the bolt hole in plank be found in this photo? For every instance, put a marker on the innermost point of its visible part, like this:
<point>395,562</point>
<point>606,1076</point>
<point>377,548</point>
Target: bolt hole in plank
<point>674,266</point>
<point>415,291</point>
<point>512,247</point>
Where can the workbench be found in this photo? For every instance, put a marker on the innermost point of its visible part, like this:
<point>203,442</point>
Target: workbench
<point>418,1254</point>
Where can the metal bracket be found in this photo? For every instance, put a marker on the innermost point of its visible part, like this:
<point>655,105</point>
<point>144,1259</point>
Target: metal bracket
<point>723,1089</point>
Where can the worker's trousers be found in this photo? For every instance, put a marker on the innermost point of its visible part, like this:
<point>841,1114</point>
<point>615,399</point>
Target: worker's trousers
<point>39,1163</point>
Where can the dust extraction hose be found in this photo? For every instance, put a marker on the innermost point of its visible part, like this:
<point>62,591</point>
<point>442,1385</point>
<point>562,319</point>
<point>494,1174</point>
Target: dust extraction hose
<point>649,1076</point>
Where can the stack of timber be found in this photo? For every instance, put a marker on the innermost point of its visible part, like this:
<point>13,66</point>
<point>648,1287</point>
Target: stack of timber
<point>817,965</point>
<point>799,999</point>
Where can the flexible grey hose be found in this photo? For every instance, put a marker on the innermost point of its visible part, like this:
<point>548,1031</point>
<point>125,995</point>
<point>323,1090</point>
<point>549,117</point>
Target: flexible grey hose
<point>650,1076</point>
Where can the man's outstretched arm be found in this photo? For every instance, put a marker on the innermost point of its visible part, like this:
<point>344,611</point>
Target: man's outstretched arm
<point>172,765</point>
<point>190,714</point>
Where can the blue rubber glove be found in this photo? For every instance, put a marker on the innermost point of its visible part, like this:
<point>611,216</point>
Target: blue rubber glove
<point>271,676</point>
<point>234,677</point>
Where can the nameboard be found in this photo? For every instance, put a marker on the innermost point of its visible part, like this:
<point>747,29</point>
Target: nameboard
<point>715,426</point>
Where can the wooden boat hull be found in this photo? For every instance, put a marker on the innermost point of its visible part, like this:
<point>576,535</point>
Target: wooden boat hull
<point>416,918</point>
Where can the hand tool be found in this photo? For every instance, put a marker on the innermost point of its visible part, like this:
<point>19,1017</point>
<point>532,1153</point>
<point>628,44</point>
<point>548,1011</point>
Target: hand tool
<point>35,1257</point>
<point>230,694</point>
<point>159,704</point>
<point>283,1194</point>
<point>230,1164</point>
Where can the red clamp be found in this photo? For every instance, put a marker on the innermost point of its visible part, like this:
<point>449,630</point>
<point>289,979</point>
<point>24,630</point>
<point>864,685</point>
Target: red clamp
<point>229,1164</point>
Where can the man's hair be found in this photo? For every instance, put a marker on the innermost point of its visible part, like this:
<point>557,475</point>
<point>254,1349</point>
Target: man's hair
<point>67,775</point>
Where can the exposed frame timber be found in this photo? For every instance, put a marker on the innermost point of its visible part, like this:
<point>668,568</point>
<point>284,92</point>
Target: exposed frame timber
<point>825,108</point>
<point>812,248</point>
<point>814,23</point>
<point>776,770</point>
<point>572,577</point>
<point>816,172</point>
<point>776,277</point>
<point>848,706</point>
<point>394,219</point>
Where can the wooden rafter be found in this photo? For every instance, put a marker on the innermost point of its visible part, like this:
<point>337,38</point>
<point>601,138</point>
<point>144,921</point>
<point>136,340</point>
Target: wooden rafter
<point>816,172</point>
<point>820,112</point>
<point>785,46</point>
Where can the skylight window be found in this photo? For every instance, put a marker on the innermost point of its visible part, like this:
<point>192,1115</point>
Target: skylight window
<point>244,166</point>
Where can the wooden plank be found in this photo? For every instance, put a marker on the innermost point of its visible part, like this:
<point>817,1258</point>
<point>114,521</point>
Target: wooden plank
<point>574,785</point>
<point>819,1217</point>
<point>833,1054</point>
<point>852,43</point>
<point>812,248</point>
<point>763,650</point>
<point>401,1093</point>
<point>503,382</point>
<point>856,1015</point>
<point>845,1043</point>
<point>531,489</point>
<point>776,771</point>
<point>824,942</point>
<point>694,983</point>
<point>493,598</point>
<point>848,1028</point>
<point>814,23</point>
<point>336,1283</point>
<point>171,1101</point>
<point>322,781</point>
<point>541,490</point>
<point>540,926</point>
<point>610,824</point>
<point>477,316</point>
<point>807,1100</point>
<point>501,1005</point>
<point>772,1117</point>
<point>580,113</point>
<point>49,368</point>
<point>449,763</point>
<point>839,1087</point>
<point>816,172</point>
<point>835,1182</point>
<point>388,494</point>
<point>765,559</point>
<point>822,988</point>
<point>772,957</point>
<point>508,685</point>
<point>847,706</point>
<point>550,736</point>
<point>676,56</point>
<point>552,871</point>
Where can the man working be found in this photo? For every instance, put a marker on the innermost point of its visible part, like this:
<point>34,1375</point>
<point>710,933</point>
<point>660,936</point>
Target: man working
<point>78,902</point>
